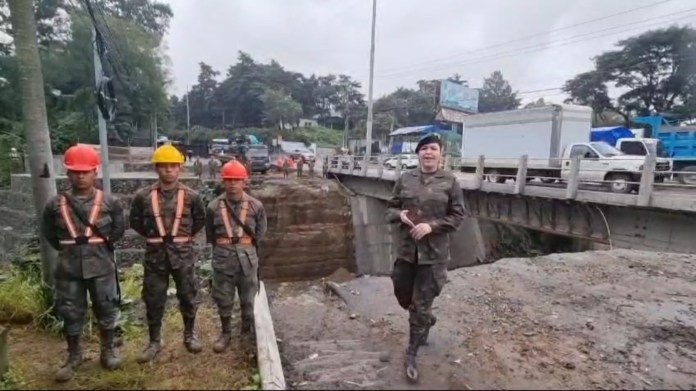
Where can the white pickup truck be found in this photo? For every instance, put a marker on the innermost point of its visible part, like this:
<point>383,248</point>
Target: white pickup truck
<point>602,163</point>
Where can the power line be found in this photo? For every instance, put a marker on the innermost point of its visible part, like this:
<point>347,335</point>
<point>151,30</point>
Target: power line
<point>532,35</point>
<point>553,44</point>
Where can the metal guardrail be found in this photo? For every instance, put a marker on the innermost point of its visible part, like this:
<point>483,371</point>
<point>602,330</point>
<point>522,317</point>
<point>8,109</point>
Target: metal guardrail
<point>492,174</point>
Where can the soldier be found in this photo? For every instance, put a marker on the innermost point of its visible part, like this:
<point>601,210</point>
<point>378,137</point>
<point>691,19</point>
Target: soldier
<point>168,214</point>
<point>212,166</point>
<point>325,167</point>
<point>235,222</point>
<point>286,167</point>
<point>198,168</point>
<point>300,165</point>
<point>428,203</point>
<point>82,225</point>
<point>311,167</point>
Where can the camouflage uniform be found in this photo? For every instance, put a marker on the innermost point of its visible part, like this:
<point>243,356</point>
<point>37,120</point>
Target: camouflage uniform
<point>235,265</point>
<point>164,259</point>
<point>311,168</point>
<point>300,166</point>
<point>420,269</point>
<point>83,268</point>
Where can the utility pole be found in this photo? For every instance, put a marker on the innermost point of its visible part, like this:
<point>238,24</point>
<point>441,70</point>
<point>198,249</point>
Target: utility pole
<point>188,118</point>
<point>103,140</point>
<point>368,146</point>
<point>31,86</point>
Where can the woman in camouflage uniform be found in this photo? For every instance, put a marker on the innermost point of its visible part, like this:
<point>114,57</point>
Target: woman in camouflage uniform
<point>428,204</point>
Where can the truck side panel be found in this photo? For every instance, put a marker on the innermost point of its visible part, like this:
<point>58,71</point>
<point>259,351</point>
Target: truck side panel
<point>503,137</point>
<point>541,133</point>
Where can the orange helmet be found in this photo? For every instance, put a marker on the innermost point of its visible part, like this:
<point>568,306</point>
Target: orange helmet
<point>234,170</point>
<point>81,157</point>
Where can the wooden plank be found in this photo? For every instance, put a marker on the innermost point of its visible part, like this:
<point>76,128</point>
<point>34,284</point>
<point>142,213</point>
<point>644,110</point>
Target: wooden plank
<point>270,366</point>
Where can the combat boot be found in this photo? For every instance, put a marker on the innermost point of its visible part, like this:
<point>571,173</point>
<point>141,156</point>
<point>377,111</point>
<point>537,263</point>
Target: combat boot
<point>424,339</point>
<point>247,326</point>
<point>153,348</point>
<point>108,358</point>
<point>190,338</point>
<point>411,367</point>
<point>67,371</point>
<point>225,336</point>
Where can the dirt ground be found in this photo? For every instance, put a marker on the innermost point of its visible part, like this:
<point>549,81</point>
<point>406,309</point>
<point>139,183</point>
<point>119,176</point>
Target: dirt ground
<point>35,355</point>
<point>593,320</point>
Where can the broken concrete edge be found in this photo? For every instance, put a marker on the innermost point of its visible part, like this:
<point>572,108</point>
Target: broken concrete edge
<point>268,356</point>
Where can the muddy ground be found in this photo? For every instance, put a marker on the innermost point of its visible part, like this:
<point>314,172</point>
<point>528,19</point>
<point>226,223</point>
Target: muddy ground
<point>614,319</point>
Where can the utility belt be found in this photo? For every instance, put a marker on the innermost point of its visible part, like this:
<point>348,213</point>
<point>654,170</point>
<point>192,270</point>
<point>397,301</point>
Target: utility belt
<point>243,240</point>
<point>168,239</point>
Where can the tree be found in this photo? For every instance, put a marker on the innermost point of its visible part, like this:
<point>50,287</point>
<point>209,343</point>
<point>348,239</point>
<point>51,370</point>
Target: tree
<point>31,88</point>
<point>655,69</point>
<point>497,94</point>
<point>403,107</point>
<point>280,109</point>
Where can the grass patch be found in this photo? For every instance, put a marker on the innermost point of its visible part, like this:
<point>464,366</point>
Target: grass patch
<point>36,352</point>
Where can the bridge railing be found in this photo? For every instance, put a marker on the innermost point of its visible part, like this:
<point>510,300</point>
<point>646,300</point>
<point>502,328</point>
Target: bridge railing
<point>494,174</point>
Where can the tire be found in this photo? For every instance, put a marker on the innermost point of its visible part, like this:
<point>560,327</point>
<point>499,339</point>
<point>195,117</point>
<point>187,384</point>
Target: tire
<point>688,179</point>
<point>619,183</point>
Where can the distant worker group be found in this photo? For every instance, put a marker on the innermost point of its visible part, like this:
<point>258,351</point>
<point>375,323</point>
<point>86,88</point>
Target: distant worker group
<point>83,224</point>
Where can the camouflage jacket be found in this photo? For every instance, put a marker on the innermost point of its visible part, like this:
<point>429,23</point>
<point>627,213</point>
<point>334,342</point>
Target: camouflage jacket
<point>226,255</point>
<point>435,199</point>
<point>87,260</point>
<point>142,220</point>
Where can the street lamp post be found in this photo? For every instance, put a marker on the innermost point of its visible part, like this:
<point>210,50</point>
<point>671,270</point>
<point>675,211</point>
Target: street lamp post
<point>368,138</point>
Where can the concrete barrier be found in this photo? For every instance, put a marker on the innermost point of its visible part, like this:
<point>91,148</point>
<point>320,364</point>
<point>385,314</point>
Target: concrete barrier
<point>270,366</point>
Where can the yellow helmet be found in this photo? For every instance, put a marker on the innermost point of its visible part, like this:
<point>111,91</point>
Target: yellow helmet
<point>167,154</point>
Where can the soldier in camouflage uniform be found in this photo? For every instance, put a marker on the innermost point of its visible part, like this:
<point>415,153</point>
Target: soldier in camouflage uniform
<point>82,225</point>
<point>168,214</point>
<point>235,260</point>
<point>428,203</point>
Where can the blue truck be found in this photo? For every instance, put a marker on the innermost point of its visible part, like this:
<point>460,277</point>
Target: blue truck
<point>679,143</point>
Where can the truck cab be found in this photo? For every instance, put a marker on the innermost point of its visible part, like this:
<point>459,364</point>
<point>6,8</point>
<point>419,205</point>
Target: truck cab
<point>646,146</point>
<point>600,163</point>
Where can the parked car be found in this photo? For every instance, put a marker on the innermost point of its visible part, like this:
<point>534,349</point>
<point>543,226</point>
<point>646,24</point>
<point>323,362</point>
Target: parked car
<point>407,161</point>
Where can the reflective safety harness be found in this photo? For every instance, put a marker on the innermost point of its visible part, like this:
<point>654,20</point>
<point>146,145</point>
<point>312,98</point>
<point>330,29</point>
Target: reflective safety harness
<point>88,237</point>
<point>156,211</point>
<point>236,235</point>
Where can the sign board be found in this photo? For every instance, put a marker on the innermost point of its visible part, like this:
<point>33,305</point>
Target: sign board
<point>458,97</point>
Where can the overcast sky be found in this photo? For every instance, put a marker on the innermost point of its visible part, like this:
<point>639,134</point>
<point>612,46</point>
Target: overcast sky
<point>416,39</point>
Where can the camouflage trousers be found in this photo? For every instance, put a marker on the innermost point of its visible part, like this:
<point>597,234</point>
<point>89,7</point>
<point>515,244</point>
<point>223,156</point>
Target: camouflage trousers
<point>416,287</point>
<point>71,302</point>
<point>156,284</point>
<point>235,271</point>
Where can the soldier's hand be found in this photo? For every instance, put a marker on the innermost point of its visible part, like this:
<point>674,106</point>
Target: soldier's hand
<point>420,230</point>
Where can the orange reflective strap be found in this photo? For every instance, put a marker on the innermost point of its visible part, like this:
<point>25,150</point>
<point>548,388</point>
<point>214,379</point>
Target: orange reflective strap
<point>226,219</point>
<point>94,212</point>
<point>66,217</point>
<point>154,199</point>
<point>179,211</point>
<point>93,216</point>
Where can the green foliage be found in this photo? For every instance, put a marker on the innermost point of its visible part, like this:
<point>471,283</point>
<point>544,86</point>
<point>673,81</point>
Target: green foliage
<point>12,380</point>
<point>655,70</point>
<point>497,94</point>
<point>323,137</point>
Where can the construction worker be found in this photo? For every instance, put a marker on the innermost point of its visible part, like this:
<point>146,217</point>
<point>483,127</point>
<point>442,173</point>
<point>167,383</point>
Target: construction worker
<point>82,225</point>
<point>300,165</point>
<point>168,214</point>
<point>286,167</point>
<point>311,167</point>
<point>428,203</point>
<point>235,222</point>
<point>198,168</point>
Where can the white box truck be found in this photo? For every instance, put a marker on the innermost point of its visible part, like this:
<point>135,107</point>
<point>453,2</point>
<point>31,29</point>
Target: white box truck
<point>550,136</point>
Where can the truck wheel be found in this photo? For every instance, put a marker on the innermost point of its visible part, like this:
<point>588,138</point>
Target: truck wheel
<point>620,183</point>
<point>688,179</point>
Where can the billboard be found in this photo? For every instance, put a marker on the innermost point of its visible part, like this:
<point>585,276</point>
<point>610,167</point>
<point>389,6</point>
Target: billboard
<point>458,97</point>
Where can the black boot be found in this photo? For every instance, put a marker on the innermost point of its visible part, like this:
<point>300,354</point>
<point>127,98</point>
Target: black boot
<point>190,338</point>
<point>67,371</point>
<point>248,323</point>
<point>424,339</point>
<point>153,348</point>
<point>108,358</point>
<point>411,368</point>
<point>225,335</point>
